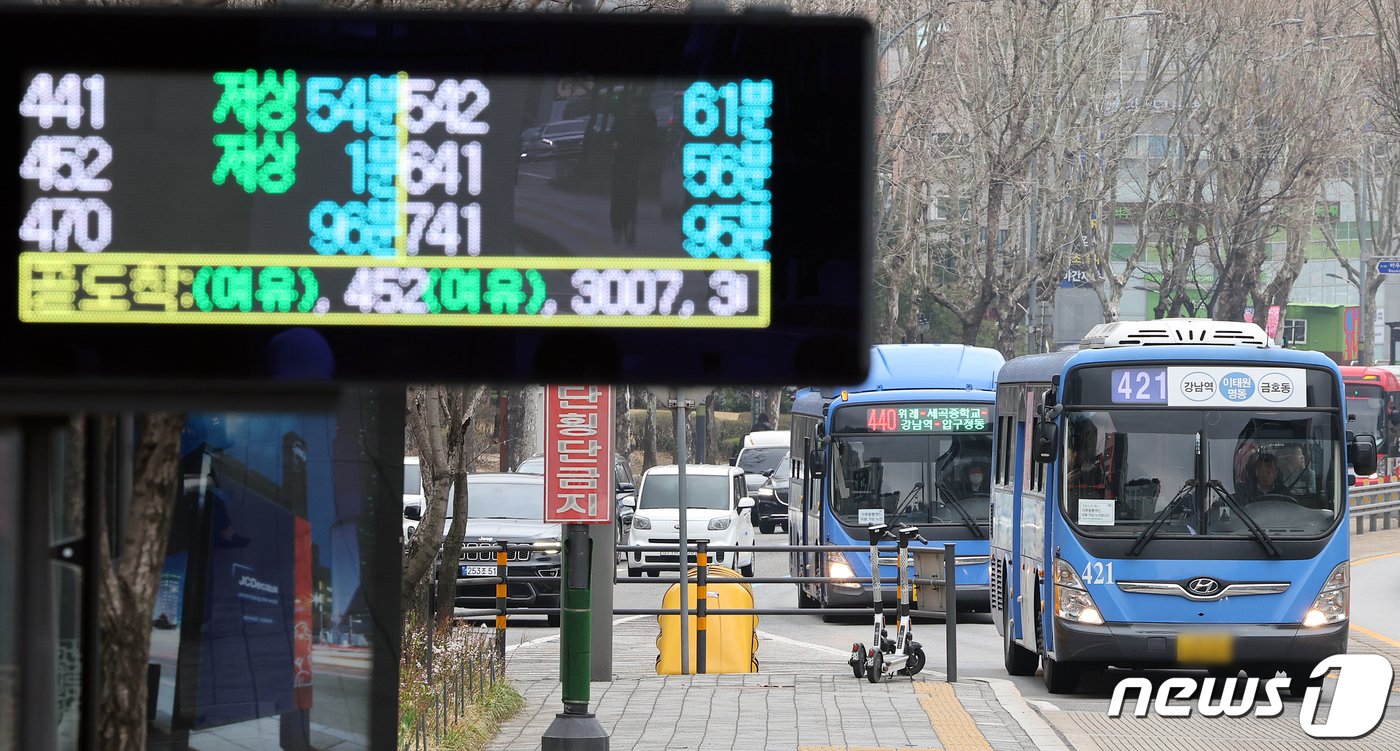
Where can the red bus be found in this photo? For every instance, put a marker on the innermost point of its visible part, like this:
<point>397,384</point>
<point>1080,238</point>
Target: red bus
<point>1373,400</point>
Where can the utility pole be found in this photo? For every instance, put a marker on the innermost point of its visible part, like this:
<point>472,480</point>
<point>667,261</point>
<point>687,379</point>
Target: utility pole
<point>1363,233</point>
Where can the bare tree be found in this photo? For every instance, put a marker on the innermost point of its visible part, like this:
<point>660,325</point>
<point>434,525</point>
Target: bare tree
<point>439,418</point>
<point>130,581</point>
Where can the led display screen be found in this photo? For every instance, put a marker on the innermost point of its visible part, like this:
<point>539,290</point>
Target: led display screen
<point>446,182</point>
<point>913,418</point>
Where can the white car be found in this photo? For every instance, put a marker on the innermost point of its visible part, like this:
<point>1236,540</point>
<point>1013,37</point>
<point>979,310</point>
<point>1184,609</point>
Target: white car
<point>718,510</point>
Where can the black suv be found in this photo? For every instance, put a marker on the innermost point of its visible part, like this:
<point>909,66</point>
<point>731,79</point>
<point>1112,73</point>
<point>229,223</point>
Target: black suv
<point>508,507</point>
<point>626,486</point>
<point>771,498</point>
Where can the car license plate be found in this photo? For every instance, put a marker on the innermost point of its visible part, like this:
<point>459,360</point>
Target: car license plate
<point>1205,649</point>
<point>478,571</point>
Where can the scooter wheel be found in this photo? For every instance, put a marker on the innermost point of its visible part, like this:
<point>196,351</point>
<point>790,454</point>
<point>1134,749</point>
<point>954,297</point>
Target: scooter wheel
<point>874,666</point>
<point>857,661</point>
<point>916,662</point>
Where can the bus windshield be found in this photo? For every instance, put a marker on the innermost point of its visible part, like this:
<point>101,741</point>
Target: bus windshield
<point>912,479</point>
<point>1202,472</point>
<point>1367,402</point>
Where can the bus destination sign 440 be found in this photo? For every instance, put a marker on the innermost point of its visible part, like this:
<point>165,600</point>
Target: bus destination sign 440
<point>914,418</point>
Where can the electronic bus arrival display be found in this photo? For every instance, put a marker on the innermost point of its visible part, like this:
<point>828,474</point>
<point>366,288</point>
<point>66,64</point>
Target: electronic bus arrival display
<point>459,174</point>
<point>913,418</point>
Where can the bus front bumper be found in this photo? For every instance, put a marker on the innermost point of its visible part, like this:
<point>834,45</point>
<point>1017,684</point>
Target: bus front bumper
<point>1155,644</point>
<point>970,598</point>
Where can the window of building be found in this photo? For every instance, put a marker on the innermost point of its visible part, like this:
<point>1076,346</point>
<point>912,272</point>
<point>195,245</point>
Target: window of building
<point>1295,331</point>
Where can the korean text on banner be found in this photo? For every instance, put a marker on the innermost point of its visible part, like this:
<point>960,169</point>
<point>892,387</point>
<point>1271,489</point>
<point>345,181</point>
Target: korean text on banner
<point>578,454</point>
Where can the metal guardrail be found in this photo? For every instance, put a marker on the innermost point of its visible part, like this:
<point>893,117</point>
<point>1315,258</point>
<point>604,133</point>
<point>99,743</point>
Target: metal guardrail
<point>947,583</point>
<point>1372,506</point>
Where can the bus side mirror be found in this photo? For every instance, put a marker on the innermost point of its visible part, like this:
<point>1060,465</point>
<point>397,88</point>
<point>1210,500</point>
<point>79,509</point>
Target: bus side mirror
<point>814,466</point>
<point>1361,451</point>
<point>1047,436</point>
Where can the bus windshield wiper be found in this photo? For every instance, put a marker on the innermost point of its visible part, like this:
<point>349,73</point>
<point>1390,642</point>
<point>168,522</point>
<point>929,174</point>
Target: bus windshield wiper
<point>1253,526</point>
<point>913,493</point>
<point>1146,535</point>
<point>967,519</point>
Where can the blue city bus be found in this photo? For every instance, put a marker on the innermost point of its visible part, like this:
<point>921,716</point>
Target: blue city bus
<point>1172,494</point>
<point>901,448</point>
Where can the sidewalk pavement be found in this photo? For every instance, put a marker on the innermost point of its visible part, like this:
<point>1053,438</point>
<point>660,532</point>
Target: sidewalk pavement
<point>805,699</point>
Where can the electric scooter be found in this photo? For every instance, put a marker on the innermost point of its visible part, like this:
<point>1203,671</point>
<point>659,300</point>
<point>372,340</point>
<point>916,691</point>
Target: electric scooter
<point>906,655</point>
<point>880,642</point>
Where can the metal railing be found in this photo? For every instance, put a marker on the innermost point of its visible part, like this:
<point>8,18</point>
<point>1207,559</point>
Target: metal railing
<point>1373,505</point>
<point>453,690</point>
<point>946,583</point>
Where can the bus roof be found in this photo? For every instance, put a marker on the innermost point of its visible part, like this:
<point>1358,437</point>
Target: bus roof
<point>935,371</point>
<point>930,366</point>
<point>1384,377</point>
<point>1041,368</point>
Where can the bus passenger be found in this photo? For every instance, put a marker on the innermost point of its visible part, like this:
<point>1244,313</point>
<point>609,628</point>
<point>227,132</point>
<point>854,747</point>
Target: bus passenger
<point>974,480</point>
<point>1263,479</point>
<point>1294,471</point>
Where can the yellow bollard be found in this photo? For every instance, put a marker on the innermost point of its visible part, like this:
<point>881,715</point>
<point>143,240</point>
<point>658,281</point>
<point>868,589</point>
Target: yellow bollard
<point>731,641</point>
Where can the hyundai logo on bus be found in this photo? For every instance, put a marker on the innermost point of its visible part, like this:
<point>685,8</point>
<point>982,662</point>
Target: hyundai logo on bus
<point>1203,586</point>
<point>1356,709</point>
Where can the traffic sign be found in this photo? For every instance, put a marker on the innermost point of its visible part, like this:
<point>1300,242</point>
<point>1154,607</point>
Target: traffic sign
<point>1388,267</point>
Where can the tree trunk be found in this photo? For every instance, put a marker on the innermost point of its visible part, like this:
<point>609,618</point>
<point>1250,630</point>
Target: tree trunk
<point>624,435</point>
<point>649,434</point>
<point>772,404</point>
<point>130,583</point>
<point>711,452</point>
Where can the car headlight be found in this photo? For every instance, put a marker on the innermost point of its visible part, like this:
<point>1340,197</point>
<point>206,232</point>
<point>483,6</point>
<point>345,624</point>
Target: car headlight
<point>1072,600</point>
<point>719,522</point>
<point>641,522</point>
<point>837,567</point>
<point>547,546</point>
<point>766,492</point>
<point>1332,604</point>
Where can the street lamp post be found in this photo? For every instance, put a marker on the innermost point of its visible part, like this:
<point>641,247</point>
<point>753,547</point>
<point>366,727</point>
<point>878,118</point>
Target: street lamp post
<point>1033,321</point>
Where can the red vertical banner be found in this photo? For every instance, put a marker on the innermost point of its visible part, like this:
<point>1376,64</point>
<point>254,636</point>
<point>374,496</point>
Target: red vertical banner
<point>301,615</point>
<point>1271,323</point>
<point>578,429</point>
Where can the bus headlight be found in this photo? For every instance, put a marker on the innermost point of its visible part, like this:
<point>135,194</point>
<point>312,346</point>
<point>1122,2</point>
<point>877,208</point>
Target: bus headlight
<point>1072,600</point>
<point>1332,603</point>
<point>838,568</point>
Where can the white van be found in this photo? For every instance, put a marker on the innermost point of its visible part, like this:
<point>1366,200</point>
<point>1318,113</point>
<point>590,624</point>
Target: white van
<point>412,495</point>
<point>760,452</point>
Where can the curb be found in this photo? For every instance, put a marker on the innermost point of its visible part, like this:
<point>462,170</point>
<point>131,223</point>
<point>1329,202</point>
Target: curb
<point>1045,737</point>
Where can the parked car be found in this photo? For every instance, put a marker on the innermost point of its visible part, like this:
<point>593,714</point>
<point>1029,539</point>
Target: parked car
<point>412,495</point>
<point>556,139</point>
<point>507,507</point>
<point>772,497</point>
<point>718,510</point>
<point>624,486</point>
<point>760,452</point>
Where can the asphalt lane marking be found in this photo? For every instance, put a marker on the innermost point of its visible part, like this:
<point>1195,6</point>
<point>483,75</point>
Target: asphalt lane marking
<point>1371,558</point>
<point>952,723</point>
<point>1375,635</point>
<point>818,647</point>
<point>555,637</point>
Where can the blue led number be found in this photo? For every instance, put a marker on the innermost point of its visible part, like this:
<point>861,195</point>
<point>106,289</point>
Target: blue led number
<point>730,175</point>
<point>1139,385</point>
